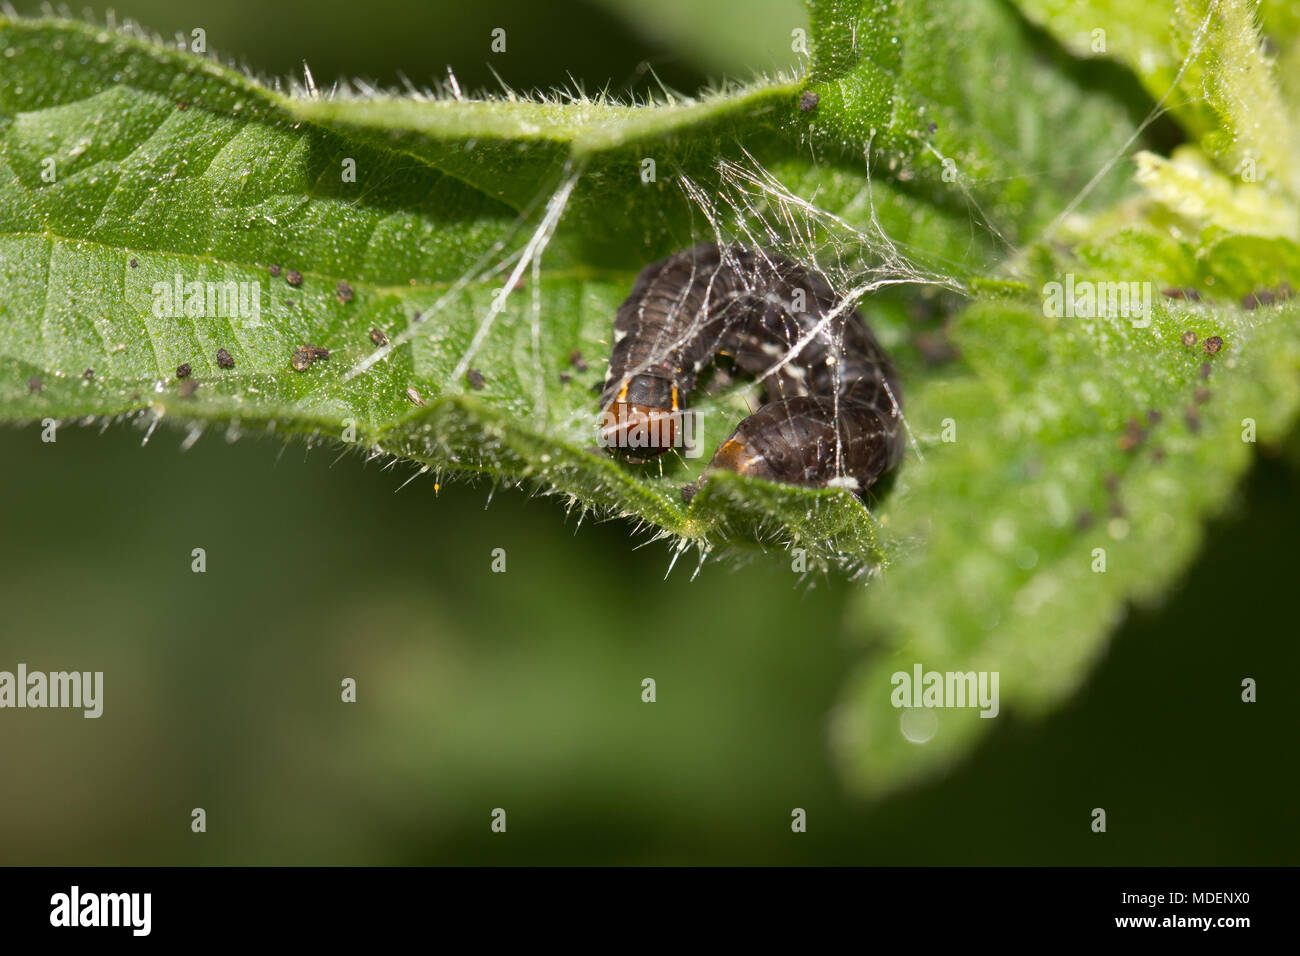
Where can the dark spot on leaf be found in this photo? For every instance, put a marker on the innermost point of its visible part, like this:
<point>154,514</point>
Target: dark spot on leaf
<point>1257,298</point>
<point>565,378</point>
<point>1192,418</point>
<point>224,359</point>
<point>689,491</point>
<point>343,291</point>
<point>318,352</point>
<point>301,359</point>
<point>187,388</point>
<point>275,272</point>
<point>1153,416</point>
<point>88,375</point>
<point>1202,395</point>
<point>597,387</point>
<point>576,360</point>
<point>1111,480</point>
<point>293,277</point>
<point>378,337</point>
<point>1205,369</point>
<point>808,101</point>
<point>1189,338</point>
<point>934,127</point>
<point>34,384</point>
<point>1083,520</point>
<point>1213,344</point>
<point>475,378</point>
<point>1186,292</point>
<point>183,370</point>
<point>134,263</point>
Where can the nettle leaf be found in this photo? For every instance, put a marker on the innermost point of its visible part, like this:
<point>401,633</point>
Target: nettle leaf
<point>1089,451</point>
<point>1205,61</point>
<point>962,102</point>
<point>127,167</point>
<point>491,240</point>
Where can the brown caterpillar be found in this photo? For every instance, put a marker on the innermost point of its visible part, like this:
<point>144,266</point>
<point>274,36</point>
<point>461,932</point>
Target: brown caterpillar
<point>832,413</point>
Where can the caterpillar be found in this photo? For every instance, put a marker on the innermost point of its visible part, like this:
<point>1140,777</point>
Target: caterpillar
<point>832,413</point>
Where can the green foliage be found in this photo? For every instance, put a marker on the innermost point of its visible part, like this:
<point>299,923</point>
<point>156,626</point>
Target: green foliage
<point>969,83</point>
<point>946,130</point>
<point>1082,434</point>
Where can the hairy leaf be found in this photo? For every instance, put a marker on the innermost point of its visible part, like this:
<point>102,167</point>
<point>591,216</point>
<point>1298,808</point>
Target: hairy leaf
<point>1088,451</point>
<point>490,242</point>
<point>128,167</point>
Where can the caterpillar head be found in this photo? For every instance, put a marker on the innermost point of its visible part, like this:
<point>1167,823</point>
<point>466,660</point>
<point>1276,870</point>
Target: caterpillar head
<point>642,419</point>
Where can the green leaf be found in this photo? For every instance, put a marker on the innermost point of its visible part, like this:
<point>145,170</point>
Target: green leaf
<point>962,103</point>
<point>1207,63</point>
<point>167,165</point>
<point>1080,439</point>
<point>949,150</point>
<point>1039,477</point>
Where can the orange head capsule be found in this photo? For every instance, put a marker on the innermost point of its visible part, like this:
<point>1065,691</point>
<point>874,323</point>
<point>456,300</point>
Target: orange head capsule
<point>641,421</point>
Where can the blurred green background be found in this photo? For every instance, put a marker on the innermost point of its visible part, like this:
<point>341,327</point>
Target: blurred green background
<point>522,690</point>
